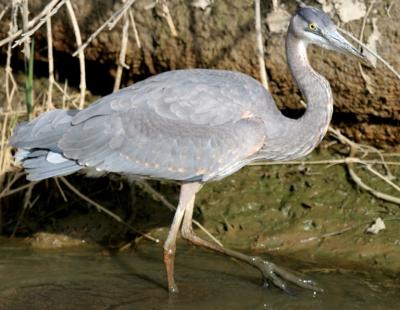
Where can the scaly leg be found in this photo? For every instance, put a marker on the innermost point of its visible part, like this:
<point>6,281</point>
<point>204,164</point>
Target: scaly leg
<point>186,199</point>
<point>270,271</point>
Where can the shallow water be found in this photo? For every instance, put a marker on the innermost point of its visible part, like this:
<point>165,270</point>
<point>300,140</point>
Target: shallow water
<point>93,279</point>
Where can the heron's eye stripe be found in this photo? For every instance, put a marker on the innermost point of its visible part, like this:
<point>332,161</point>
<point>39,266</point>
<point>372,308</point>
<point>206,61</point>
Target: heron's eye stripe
<point>312,26</point>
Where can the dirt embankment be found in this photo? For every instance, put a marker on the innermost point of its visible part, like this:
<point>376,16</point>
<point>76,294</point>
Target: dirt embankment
<point>222,36</point>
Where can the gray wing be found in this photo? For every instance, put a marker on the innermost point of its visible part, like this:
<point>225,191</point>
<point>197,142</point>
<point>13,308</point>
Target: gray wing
<point>174,126</point>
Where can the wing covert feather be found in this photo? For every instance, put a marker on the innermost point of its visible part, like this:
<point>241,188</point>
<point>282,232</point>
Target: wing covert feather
<point>169,127</point>
<point>162,149</point>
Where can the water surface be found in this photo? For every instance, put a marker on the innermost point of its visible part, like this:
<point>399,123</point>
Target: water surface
<point>94,279</point>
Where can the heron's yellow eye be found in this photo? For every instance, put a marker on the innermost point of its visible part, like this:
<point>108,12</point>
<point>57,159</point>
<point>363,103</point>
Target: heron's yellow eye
<point>312,26</point>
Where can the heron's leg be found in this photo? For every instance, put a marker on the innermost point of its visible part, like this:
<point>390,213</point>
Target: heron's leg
<point>186,198</point>
<point>270,271</point>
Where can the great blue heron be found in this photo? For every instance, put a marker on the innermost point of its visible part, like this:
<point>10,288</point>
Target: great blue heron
<point>192,126</point>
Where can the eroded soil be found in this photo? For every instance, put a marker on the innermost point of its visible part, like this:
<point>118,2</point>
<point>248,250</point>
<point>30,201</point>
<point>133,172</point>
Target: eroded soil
<point>223,37</point>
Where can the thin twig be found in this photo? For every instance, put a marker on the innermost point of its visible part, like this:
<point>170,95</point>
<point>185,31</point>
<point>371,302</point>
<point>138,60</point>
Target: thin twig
<point>122,54</point>
<point>260,45</point>
<point>389,8</point>
<point>382,177</point>
<point>60,189</point>
<point>363,148</point>
<point>75,26</point>
<point>115,16</point>
<point>389,66</point>
<point>391,154</point>
<point>372,191</point>
<point>25,21</point>
<point>27,199</point>
<point>3,147</point>
<point>275,5</point>
<point>330,234</point>
<point>113,22</point>
<point>354,147</point>
<point>64,98</point>
<point>15,178</point>
<point>25,36</point>
<point>103,209</point>
<point>135,32</point>
<point>49,104</point>
<point>4,11</point>
<point>361,38</point>
<point>9,76</point>
<point>31,23</point>
<point>168,17</point>
<point>16,190</point>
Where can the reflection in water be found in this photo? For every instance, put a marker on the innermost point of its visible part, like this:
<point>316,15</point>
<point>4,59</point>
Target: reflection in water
<point>89,279</point>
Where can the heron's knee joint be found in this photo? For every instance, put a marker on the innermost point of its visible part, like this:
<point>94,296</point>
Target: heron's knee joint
<point>187,233</point>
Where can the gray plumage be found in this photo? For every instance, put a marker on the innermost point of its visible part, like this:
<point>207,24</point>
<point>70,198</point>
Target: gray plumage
<point>192,126</point>
<point>186,125</point>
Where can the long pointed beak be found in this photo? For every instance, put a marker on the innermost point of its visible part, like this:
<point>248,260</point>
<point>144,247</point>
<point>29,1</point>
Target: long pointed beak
<point>340,44</point>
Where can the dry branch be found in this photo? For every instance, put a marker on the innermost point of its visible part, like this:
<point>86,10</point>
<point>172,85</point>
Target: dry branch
<point>49,104</point>
<point>382,177</point>
<point>109,22</point>
<point>330,234</point>
<point>366,78</point>
<point>16,190</point>
<point>386,63</point>
<point>25,36</point>
<point>2,13</point>
<point>260,45</point>
<point>25,22</point>
<point>354,148</point>
<point>135,32</point>
<point>168,17</point>
<point>77,32</point>
<point>3,146</point>
<point>122,54</point>
<point>48,8</point>
<point>369,189</point>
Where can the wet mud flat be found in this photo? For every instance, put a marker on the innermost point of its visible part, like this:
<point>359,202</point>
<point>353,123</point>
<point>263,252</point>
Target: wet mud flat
<point>91,278</point>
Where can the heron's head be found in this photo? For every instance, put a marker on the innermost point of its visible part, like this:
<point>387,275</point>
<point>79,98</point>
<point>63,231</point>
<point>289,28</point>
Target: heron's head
<point>313,26</point>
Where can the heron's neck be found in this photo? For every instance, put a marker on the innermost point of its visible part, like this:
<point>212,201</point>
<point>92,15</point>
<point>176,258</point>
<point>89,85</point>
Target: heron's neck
<point>304,134</point>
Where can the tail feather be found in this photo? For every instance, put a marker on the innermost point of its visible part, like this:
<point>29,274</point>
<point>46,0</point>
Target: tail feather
<point>38,167</point>
<point>37,145</point>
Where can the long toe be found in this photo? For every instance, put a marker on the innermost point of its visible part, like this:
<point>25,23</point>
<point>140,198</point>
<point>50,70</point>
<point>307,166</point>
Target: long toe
<point>299,281</point>
<point>279,277</point>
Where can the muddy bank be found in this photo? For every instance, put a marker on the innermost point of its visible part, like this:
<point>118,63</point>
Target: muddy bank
<point>222,36</point>
<point>313,213</point>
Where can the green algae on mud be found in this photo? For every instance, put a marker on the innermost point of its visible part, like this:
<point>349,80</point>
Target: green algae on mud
<point>310,212</point>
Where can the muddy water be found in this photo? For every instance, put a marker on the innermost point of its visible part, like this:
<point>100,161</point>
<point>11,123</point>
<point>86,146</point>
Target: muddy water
<point>92,279</point>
